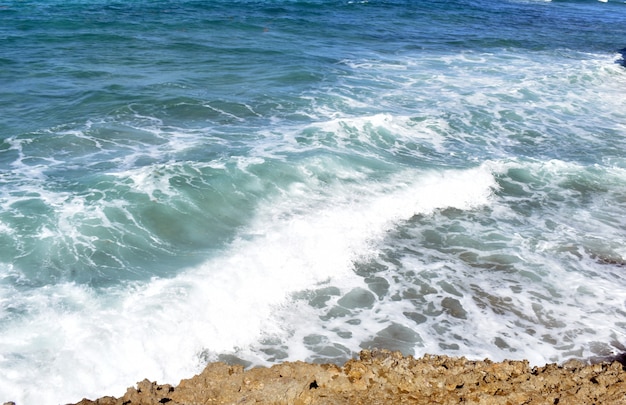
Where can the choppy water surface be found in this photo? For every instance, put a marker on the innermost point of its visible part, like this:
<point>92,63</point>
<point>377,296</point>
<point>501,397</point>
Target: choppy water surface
<point>190,181</point>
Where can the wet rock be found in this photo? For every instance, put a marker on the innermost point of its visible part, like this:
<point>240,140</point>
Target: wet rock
<point>357,298</point>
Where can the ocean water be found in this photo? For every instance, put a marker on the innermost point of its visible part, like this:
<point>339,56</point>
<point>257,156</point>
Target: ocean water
<point>264,181</point>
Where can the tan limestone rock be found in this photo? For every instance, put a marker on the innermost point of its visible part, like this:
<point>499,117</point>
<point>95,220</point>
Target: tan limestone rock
<point>383,377</point>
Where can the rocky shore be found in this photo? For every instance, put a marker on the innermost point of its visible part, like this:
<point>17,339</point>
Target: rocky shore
<point>383,377</point>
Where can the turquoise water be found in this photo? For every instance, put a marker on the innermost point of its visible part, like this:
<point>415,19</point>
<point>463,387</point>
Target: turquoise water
<point>261,181</point>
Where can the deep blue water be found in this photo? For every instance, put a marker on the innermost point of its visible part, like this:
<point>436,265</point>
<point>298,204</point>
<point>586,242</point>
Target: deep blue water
<point>261,181</point>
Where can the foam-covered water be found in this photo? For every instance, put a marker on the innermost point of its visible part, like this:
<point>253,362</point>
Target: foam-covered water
<point>253,182</point>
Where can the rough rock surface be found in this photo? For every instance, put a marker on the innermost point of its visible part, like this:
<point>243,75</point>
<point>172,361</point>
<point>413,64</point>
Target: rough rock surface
<point>383,377</point>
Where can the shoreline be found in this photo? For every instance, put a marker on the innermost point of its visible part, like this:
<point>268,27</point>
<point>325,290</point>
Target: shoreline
<point>384,377</point>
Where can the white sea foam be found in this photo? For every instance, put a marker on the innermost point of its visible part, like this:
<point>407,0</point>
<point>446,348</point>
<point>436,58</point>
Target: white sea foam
<point>158,329</point>
<point>512,287</point>
<point>314,236</point>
